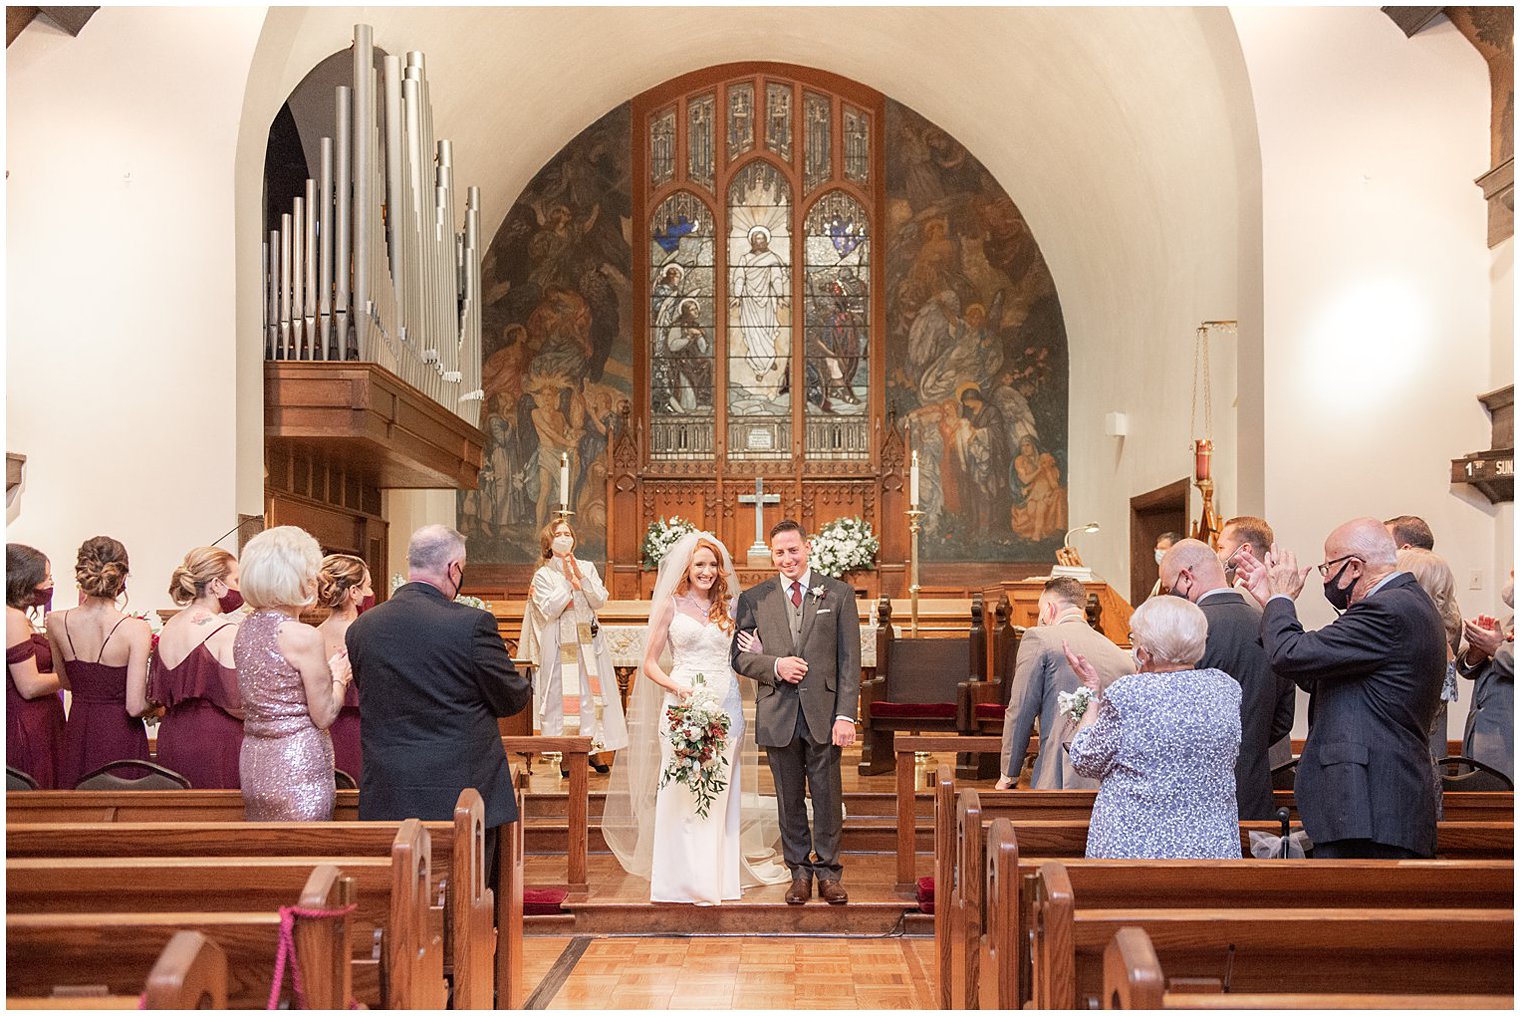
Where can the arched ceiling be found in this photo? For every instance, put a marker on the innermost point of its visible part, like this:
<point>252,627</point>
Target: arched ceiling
<point>1110,128</point>
<point>1126,136</point>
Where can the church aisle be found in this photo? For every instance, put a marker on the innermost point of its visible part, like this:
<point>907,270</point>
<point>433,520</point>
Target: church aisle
<point>729,973</point>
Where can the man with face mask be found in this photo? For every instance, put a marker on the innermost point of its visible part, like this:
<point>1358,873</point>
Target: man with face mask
<point>1489,662</point>
<point>1040,673</point>
<point>1374,679</point>
<point>433,677</point>
<point>1192,571</point>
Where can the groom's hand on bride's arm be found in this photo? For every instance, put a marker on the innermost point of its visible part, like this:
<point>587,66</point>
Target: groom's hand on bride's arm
<point>844,732</point>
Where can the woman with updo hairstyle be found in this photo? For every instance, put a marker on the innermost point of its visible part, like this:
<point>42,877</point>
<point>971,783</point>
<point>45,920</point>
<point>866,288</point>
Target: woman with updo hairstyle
<point>101,654</point>
<point>559,626</point>
<point>192,675</point>
<point>343,587</point>
<point>292,690</point>
<point>33,708</point>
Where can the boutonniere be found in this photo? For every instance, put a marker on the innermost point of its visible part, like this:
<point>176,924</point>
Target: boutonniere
<point>817,592</point>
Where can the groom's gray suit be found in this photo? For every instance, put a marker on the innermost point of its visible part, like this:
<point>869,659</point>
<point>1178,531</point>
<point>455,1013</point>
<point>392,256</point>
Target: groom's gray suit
<point>795,722</point>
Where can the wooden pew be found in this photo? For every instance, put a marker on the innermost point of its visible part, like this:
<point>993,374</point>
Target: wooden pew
<point>116,952</point>
<point>191,973</point>
<point>1076,805</point>
<point>394,896</point>
<point>462,842</point>
<point>965,898</point>
<point>1133,979</point>
<point>1265,947</point>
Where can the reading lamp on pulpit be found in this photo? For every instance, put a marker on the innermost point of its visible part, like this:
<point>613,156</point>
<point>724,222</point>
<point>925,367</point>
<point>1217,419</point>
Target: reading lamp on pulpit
<point>1069,561</point>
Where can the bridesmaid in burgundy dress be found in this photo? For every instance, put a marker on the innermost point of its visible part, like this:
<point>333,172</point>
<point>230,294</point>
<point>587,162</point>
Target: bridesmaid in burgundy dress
<point>343,586</point>
<point>33,707</point>
<point>101,656</point>
<point>291,690</point>
<point>192,674</point>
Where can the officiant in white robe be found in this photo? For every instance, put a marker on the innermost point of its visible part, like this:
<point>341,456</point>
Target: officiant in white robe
<point>575,687</point>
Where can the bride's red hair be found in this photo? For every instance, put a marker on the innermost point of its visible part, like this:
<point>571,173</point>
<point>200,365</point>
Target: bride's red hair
<point>720,595</point>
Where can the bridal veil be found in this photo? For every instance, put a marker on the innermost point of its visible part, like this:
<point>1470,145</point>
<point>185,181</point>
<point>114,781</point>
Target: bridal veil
<point>628,815</point>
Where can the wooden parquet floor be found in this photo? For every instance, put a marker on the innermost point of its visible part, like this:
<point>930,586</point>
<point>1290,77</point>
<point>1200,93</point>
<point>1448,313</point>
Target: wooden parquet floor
<point>730,973</point>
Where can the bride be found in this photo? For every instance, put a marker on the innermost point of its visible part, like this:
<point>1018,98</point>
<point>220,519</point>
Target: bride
<point>655,831</point>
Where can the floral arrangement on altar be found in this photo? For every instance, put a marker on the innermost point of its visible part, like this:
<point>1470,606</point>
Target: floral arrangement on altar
<point>843,545</point>
<point>696,730</point>
<point>469,601</point>
<point>661,535</point>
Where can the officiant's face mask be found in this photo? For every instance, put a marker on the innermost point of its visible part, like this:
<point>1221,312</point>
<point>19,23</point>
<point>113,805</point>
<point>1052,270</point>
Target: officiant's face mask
<point>563,545</point>
<point>1338,595</point>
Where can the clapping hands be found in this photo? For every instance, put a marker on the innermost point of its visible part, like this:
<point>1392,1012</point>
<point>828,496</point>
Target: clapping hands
<point>1279,574</point>
<point>1483,635</point>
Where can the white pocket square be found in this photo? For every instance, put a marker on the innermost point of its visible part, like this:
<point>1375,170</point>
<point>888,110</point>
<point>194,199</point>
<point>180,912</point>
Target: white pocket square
<point>824,610</point>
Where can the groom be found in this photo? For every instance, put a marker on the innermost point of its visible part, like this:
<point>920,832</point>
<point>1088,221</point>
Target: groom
<point>808,670</point>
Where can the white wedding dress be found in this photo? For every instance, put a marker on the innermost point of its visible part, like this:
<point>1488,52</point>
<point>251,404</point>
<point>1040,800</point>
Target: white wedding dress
<point>697,860</point>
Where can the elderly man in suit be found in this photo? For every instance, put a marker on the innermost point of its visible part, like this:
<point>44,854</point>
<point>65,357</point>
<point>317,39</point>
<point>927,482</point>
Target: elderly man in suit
<point>433,676</point>
<point>1041,672</point>
<point>1191,570</point>
<point>1374,679</point>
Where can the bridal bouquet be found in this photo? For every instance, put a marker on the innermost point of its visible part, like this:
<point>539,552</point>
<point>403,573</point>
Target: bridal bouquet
<point>1074,703</point>
<point>696,730</point>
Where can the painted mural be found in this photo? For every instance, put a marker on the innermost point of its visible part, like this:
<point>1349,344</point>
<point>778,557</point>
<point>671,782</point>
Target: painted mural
<point>557,348</point>
<point>976,352</point>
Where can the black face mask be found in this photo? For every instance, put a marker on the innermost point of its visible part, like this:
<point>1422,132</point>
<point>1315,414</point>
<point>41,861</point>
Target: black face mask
<point>1339,596</point>
<point>458,586</point>
<point>1174,591</point>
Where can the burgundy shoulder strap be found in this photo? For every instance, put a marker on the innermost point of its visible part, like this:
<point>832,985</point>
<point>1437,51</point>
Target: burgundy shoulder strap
<point>72,651</point>
<point>102,654</point>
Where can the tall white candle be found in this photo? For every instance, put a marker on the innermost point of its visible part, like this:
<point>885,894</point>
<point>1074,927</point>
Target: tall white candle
<point>913,482</point>
<point>564,478</point>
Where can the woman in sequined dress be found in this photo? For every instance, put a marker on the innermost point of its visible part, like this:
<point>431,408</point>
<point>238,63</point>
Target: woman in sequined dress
<point>291,691</point>
<point>1162,742</point>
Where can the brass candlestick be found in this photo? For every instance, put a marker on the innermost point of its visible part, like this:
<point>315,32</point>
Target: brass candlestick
<point>914,517</point>
<point>563,513</point>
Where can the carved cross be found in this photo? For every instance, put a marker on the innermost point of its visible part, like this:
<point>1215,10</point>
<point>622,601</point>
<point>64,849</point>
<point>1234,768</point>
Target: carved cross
<point>759,499</point>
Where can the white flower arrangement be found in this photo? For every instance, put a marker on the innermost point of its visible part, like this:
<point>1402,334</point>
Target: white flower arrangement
<point>1074,703</point>
<point>843,545</point>
<point>661,535</point>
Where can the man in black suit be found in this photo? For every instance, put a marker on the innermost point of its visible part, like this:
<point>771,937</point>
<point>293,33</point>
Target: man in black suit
<point>433,676</point>
<point>1374,679</point>
<point>1192,570</point>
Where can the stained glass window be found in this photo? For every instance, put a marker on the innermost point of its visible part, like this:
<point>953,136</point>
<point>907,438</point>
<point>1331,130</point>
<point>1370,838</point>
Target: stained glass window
<point>741,119</point>
<point>857,145</point>
<point>836,327</point>
<point>759,277</point>
<point>817,139</point>
<point>778,119</point>
<point>662,147</point>
<point>759,313</point>
<point>681,267</point>
<point>699,140</point>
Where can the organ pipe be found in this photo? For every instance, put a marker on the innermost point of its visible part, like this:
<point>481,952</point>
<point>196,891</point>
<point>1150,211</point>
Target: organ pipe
<point>377,259</point>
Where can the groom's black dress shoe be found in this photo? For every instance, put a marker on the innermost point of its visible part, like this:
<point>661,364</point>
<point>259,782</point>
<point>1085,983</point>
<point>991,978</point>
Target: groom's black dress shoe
<point>832,891</point>
<point>801,889</point>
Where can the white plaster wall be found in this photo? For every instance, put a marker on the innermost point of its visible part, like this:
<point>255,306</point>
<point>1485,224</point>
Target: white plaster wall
<point>1385,313</point>
<point>120,284</point>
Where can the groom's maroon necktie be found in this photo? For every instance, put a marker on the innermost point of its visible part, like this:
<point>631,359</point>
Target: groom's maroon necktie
<point>796,594</point>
